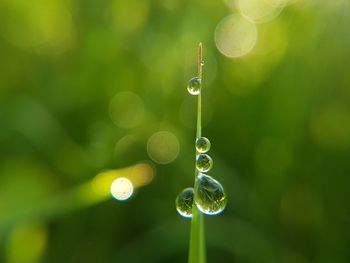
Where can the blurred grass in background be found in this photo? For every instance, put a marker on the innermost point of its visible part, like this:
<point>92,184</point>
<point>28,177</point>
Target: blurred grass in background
<point>88,86</point>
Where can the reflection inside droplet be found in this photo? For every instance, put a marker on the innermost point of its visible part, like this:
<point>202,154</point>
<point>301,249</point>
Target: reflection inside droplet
<point>204,163</point>
<point>202,144</point>
<point>210,197</point>
<point>184,202</point>
<point>194,86</point>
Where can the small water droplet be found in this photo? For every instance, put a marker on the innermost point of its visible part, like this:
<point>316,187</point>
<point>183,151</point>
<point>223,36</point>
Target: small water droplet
<point>204,162</point>
<point>202,62</point>
<point>210,196</point>
<point>194,86</point>
<point>202,144</point>
<point>184,202</point>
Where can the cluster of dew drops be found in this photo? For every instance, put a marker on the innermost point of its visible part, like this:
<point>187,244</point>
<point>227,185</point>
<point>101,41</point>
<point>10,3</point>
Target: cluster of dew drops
<point>210,197</point>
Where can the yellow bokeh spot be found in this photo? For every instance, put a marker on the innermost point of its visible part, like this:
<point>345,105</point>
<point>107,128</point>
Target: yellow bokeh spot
<point>26,244</point>
<point>38,24</point>
<point>130,15</point>
<point>139,175</point>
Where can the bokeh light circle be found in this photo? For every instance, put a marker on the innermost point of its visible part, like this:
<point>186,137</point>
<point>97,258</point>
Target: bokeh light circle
<point>235,36</point>
<point>127,109</point>
<point>280,3</point>
<point>330,127</point>
<point>163,147</point>
<point>260,11</point>
<point>122,188</point>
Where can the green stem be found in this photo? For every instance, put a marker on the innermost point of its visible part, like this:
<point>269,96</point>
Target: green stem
<point>197,239</point>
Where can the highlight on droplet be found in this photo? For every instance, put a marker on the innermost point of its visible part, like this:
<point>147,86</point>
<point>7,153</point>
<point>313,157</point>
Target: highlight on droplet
<point>122,189</point>
<point>184,202</point>
<point>210,196</point>
<point>202,145</point>
<point>204,162</point>
<point>194,86</point>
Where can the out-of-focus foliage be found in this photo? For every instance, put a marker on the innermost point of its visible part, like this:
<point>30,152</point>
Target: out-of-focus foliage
<point>90,86</point>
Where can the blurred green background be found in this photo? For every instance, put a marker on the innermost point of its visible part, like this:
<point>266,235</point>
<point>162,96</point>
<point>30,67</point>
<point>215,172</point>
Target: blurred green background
<point>87,86</point>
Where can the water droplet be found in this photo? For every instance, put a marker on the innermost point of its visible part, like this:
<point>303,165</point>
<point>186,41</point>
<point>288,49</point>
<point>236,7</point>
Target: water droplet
<point>210,196</point>
<point>202,144</point>
<point>204,162</point>
<point>184,202</point>
<point>202,63</point>
<point>194,86</point>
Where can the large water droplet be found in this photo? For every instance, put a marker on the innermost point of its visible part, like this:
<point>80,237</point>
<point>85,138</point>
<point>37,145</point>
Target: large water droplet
<point>210,195</point>
<point>202,145</point>
<point>184,202</point>
<point>194,86</point>
<point>204,162</point>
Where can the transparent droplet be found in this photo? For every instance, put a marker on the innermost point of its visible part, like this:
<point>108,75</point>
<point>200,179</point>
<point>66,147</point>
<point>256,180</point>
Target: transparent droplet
<point>204,162</point>
<point>202,63</point>
<point>194,86</point>
<point>184,202</point>
<point>202,144</point>
<point>210,196</point>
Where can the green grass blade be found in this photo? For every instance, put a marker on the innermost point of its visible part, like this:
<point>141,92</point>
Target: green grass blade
<point>197,253</point>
